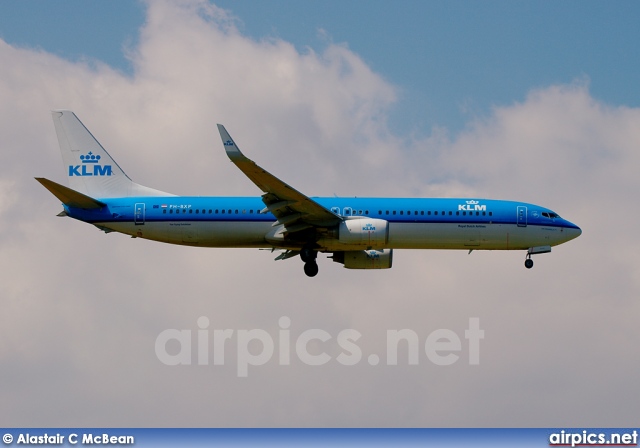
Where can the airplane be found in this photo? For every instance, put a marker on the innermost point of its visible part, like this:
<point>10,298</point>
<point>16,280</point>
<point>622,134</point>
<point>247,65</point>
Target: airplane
<point>359,233</point>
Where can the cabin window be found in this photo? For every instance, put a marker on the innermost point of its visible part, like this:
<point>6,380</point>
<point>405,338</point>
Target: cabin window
<point>484,213</point>
<point>197,211</point>
<point>251,212</point>
<point>435,213</point>
<point>490,213</point>
<point>229,211</point>
<point>422,212</point>
<point>402,212</point>
<point>429,213</point>
<point>464,213</point>
<point>457,213</point>
<point>379,212</point>
<point>164,211</point>
<point>184,210</point>
<point>387,212</point>
<point>190,210</point>
<point>223,212</point>
<point>408,212</point>
<point>394,212</point>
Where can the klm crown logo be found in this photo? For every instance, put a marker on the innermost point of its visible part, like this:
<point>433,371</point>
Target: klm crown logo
<point>228,143</point>
<point>90,158</point>
<point>84,170</point>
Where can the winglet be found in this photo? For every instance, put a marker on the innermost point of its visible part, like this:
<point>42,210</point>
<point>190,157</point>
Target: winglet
<point>69,197</point>
<point>233,152</point>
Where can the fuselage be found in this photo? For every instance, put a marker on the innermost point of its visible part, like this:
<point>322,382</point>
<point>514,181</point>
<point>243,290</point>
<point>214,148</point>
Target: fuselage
<point>414,223</point>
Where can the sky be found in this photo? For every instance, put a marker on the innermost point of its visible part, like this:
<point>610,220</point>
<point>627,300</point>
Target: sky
<point>529,101</point>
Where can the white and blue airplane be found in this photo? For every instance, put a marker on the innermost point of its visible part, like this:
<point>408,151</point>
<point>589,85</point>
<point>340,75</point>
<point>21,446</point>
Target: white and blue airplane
<point>359,233</point>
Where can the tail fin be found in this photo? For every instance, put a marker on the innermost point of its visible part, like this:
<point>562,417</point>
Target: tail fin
<point>90,168</point>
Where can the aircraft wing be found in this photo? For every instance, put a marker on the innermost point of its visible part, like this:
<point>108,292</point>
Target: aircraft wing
<point>294,210</point>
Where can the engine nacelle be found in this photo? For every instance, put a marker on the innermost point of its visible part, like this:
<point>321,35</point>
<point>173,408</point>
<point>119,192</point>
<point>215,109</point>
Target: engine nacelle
<point>366,232</point>
<point>365,259</point>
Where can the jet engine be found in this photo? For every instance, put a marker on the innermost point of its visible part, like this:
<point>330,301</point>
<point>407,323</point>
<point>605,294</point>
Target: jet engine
<point>367,232</point>
<point>365,259</point>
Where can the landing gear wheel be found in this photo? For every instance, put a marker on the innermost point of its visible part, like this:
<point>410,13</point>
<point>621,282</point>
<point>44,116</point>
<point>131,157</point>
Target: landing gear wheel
<point>311,269</point>
<point>528,263</point>
<point>308,255</point>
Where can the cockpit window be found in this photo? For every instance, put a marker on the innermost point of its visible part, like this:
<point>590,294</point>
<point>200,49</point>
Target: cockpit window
<point>550,215</point>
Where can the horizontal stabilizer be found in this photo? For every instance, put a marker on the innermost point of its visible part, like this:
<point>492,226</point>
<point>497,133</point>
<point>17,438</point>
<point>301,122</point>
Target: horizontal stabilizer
<point>69,197</point>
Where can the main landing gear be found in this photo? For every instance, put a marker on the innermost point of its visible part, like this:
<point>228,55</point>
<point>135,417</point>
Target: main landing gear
<point>309,256</point>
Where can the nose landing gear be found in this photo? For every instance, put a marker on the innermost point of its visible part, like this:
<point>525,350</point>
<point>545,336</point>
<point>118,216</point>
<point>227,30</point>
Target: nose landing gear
<point>528,263</point>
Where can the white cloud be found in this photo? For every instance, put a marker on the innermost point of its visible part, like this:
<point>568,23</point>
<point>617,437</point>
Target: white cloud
<point>81,309</point>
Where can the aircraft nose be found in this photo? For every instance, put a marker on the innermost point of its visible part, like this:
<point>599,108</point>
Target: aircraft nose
<point>573,231</point>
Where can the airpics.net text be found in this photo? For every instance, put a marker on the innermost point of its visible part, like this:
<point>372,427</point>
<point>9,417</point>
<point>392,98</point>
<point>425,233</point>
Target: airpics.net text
<point>256,347</point>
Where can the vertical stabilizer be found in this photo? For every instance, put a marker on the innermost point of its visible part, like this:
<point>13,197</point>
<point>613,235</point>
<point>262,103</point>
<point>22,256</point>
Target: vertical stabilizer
<point>89,167</point>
